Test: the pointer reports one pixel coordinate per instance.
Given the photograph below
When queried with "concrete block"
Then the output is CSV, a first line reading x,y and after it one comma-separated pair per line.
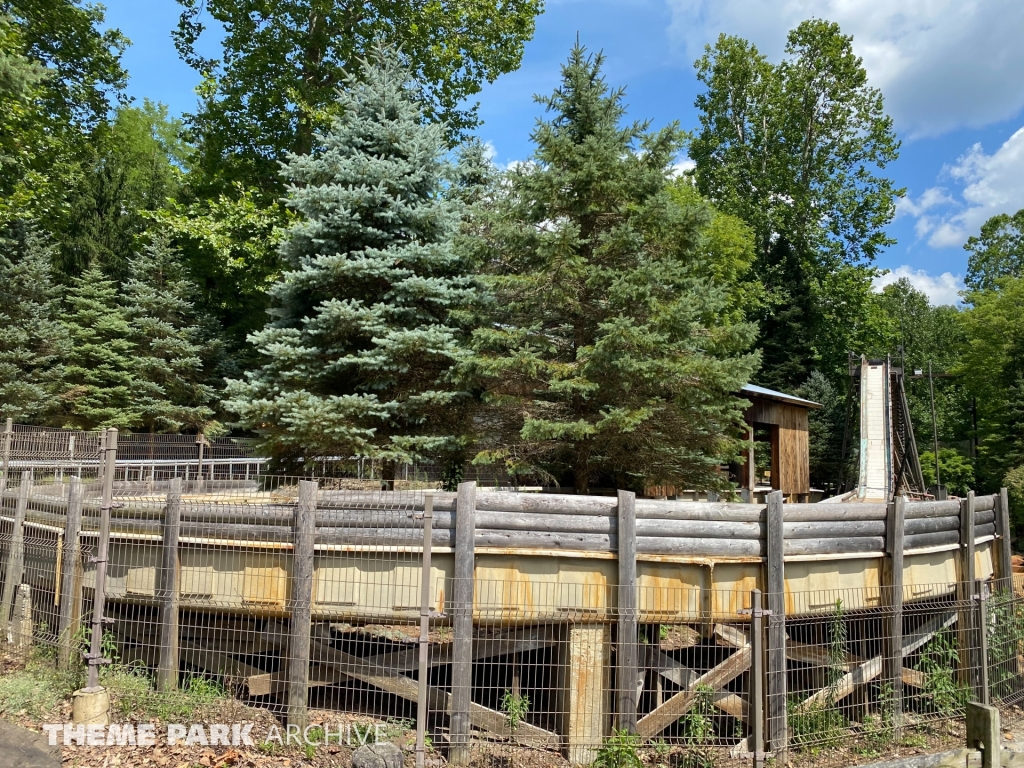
x,y
983,733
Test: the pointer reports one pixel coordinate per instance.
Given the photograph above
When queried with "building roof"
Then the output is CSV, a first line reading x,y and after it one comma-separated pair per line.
x,y
781,397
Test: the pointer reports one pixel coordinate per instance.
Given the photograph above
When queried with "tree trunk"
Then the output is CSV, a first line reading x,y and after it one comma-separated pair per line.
x,y
387,475
581,471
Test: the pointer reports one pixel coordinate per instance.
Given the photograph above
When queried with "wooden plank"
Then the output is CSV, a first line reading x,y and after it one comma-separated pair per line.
x,y
684,677
892,602
300,603
168,593
775,597
462,609
653,723
872,668
71,576
16,555
627,667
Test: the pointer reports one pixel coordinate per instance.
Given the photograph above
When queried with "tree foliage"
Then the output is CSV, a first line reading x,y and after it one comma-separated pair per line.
x,y
995,252
273,89
32,340
608,352
794,150
360,356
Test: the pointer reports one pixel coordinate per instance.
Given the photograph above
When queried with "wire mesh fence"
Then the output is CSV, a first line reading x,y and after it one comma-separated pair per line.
x,y
467,625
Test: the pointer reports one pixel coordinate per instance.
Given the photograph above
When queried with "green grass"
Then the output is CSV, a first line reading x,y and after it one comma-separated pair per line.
x,y
36,691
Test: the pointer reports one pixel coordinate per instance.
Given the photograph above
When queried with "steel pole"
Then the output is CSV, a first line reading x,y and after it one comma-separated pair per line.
x,y
95,655
424,641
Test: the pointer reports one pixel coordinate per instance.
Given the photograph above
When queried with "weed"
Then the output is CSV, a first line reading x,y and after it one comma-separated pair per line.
x,y
1005,635
315,734
395,727
938,661
35,691
821,723
698,730
620,750
515,707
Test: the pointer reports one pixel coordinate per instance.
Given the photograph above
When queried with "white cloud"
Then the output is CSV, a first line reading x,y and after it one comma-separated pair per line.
x,y
991,184
941,289
682,166
941,64
490,151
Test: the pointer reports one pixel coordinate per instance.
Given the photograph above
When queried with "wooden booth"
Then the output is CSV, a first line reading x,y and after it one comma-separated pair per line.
x,y
778,453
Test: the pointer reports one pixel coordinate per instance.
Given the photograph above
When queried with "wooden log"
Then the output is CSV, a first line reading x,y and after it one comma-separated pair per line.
x,y
300,603
840,512
168,592
918,509
1004,533
700,529
980,531
462,609
16,555
892,601
982,518
923,540
699,547
932,525
863,544
776,601
583,542
627,668
985,503
834,530
70,609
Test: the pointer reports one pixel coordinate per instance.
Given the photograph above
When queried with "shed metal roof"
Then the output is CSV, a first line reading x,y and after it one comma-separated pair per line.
x,y
782,397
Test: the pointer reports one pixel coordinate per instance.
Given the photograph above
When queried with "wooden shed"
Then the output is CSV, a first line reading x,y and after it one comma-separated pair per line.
x,y
778,426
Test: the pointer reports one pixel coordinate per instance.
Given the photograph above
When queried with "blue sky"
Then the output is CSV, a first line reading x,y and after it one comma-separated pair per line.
x,y
950,71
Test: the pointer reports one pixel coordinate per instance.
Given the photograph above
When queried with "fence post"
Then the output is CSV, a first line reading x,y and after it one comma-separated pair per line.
x,y
965,589
422,701
892,597
627,656
5,466
71,575
981,595
1004,536
95,655
462,646
755,703
301,603
201,442
776,582
168,596
16,557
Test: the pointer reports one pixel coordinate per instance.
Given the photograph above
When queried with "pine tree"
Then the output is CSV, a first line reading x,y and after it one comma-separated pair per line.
x,y
99,378
359,358
32,340
609,356
170,392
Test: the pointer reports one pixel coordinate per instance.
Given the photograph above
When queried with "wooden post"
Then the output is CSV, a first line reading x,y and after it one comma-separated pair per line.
x,y
422,700
965,587
6,458
776,598
583,669
300,603
71,576
981,595
1004,536
16,555
201,442
627,652
892,597
168,595
462,646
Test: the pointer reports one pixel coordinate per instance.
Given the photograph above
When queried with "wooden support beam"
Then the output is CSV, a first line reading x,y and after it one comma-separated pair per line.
x,y
300,603
1004,535
655,722
168,593
627,666
684,677
892,601
70,608
518,640
15,556
584,702
775,597
965,588
462,646
872,668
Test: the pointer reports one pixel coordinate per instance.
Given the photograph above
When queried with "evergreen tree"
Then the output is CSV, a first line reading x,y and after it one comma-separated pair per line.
x,y
32,340
170,392
609,355
359,358
99,378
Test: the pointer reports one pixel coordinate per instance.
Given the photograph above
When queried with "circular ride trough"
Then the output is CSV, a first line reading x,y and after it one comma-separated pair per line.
x,y
531,594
